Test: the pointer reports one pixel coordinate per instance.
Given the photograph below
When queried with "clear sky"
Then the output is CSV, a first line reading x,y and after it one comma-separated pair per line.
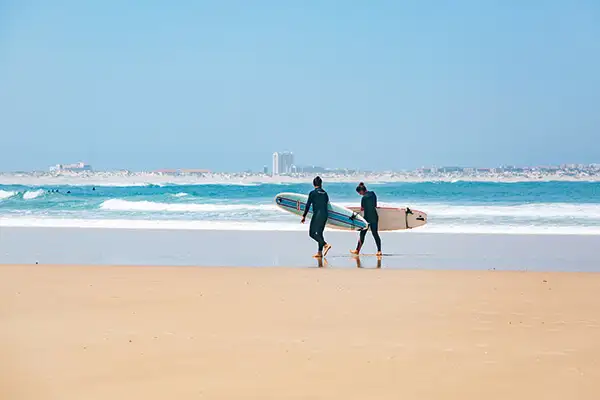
x,y
371,84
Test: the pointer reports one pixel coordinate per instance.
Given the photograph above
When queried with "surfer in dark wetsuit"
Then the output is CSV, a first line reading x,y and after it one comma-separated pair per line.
x,y
368,205
319,200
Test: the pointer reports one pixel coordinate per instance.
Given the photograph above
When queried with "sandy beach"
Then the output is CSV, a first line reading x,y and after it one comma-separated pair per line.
x,y
96,332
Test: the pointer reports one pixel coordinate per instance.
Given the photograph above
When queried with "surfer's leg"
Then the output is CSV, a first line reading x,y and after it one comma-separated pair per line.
x,y
317,225
374,231
361,240
325,246
312,230
319,233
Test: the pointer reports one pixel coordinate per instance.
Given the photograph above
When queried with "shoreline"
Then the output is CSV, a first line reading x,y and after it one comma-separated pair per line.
x,y
263,226
99,332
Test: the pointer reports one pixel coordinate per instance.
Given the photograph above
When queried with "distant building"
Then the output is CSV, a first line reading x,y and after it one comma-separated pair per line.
x,y
181,171
265,170
283,163
166,171
451,169
312,169
77,167
194,171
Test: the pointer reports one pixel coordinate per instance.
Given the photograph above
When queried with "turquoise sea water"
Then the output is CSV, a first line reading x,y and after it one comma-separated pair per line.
x,y
529,207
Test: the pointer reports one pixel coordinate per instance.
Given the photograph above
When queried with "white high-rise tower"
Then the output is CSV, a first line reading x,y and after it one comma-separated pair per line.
x,y
283,163
275,169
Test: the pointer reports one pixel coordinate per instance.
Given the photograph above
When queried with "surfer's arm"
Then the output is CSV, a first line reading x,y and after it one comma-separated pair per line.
x,y
362,204
308,204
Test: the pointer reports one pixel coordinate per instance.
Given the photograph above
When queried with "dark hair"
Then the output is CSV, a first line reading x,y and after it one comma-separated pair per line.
x,y
317,182
361,188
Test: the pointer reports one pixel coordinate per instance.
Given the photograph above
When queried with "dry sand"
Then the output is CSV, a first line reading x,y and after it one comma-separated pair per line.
x,y
276,333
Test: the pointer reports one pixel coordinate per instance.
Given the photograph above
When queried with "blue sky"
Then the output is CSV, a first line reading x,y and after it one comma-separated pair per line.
x,y
223,84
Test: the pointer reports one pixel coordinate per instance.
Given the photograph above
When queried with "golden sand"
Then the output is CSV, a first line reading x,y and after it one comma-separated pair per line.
x,y
83,333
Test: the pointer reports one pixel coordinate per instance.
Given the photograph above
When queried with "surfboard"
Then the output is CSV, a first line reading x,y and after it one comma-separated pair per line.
x,y
339,217
395,219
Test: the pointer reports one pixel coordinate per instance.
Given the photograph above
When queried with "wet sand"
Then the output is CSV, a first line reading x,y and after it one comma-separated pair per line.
x,y
406,249
94,332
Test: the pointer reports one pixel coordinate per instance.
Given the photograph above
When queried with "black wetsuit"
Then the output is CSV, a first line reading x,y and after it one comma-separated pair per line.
x,y
369,206
318,199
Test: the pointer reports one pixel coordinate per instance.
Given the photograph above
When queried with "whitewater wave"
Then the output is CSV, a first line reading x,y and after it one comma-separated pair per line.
x,y
539,210
217,183
542,211
5,194
101,184
46,222
32,194
180,194
43,222
126,205
526,212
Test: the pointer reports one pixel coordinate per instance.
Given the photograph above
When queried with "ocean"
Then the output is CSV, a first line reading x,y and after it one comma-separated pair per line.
x,y
458,207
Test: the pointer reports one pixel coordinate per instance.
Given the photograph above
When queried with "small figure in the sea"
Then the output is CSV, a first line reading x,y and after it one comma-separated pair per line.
x,y
319,200
68,192
94,188
368,205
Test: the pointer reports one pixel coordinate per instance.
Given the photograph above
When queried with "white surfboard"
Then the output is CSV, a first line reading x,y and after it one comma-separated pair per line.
x,y
395,219
339,217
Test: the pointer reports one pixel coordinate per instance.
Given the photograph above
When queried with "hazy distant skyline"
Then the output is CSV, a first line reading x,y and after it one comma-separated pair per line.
x,y
222,85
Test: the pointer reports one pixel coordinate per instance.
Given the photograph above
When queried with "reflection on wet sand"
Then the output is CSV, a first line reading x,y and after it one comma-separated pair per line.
x,y
359,263
321,262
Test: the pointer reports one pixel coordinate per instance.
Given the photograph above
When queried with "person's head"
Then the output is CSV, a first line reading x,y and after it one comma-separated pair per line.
x,y
361,189
318,182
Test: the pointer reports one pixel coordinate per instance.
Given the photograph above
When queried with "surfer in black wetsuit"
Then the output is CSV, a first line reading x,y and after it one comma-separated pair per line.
x,y
368,205
318,199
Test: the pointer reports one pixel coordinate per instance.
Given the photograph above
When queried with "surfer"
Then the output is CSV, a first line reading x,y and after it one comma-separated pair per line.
x,y
368,205
318,199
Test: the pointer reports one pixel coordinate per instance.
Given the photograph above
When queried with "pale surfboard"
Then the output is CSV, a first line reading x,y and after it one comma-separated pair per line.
x,y
395,219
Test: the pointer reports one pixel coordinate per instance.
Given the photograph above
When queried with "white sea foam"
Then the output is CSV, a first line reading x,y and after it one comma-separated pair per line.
x,y
126,205
44,222
115,184
459,212
5,194
539,210
32,194
180,194
508,229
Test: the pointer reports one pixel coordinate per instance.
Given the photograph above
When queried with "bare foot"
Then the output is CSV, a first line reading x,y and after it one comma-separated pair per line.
x,y
326,249
379,254
355,252
318,255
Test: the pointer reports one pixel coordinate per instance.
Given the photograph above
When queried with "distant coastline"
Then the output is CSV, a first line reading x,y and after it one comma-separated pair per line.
x,y
152,178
